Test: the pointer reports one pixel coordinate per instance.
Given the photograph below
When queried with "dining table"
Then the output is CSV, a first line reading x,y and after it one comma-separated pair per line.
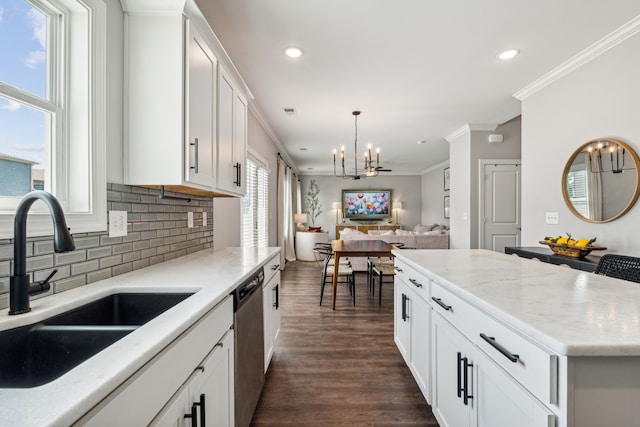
x,y
356,248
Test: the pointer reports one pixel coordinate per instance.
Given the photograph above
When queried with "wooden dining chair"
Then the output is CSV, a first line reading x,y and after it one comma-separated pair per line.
x,y
344,271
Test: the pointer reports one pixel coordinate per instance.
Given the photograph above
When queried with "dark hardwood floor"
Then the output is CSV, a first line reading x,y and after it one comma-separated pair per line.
x,y
337,367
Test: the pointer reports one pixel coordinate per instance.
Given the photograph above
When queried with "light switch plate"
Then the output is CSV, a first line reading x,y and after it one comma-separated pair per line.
x,y
117,223
204,219
189,219
552,217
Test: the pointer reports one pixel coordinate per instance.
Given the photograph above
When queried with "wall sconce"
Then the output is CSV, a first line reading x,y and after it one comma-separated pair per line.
x,y
396,206
337,206
301,219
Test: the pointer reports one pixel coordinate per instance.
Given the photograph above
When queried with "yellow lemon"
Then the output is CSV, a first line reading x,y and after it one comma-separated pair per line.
x,y
582,242
571,242
562,241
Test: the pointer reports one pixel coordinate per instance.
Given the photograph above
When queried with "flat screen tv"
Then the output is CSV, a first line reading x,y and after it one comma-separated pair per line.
x,y
366,205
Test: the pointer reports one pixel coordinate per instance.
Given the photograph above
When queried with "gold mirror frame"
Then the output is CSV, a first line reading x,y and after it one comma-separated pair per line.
x,y
585,149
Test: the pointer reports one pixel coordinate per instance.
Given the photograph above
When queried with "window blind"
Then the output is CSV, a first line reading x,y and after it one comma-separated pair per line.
x,y
255,207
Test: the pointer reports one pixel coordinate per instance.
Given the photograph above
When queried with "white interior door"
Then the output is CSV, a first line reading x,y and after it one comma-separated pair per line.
x,y
500,204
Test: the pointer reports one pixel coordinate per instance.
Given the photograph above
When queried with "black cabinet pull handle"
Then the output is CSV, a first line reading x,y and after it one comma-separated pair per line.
x,y
441,304
276,290
195,155
397,268
405,316
193,415
459,374
274,267
415,283
466,396
506,353
203,418
238,168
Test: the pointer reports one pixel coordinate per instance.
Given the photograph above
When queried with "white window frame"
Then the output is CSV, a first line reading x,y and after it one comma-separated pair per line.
x,y
76,175
262,169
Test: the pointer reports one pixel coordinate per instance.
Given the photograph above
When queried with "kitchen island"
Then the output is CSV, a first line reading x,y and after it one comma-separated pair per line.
x,y
210,275
555,346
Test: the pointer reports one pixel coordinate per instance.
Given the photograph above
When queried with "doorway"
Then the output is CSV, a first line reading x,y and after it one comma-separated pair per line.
x,y
499,204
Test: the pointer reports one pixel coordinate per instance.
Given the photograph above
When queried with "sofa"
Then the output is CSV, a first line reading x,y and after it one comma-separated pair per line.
x,y
423,237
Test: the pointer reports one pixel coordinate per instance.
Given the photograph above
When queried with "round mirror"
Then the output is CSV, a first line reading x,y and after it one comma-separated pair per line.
x,y
600,181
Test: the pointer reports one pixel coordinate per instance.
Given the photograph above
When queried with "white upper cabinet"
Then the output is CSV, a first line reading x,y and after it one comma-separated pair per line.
x,y
202,69
185,115
232,135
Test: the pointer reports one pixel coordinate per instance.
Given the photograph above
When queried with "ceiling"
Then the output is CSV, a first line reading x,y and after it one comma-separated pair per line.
x,y
417,69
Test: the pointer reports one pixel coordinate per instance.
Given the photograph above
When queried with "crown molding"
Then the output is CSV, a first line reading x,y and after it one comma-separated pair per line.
x,y
468,128
257,113
598,48
439,166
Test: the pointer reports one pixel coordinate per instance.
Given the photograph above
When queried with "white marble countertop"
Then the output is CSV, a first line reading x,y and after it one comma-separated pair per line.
x,y
211,274
572,312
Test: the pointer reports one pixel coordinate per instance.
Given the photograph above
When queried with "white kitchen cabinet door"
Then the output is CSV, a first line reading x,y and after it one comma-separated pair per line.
x,y
232,136
200,139
216,384
401,321
240,142
449,368
420,347
271,310
501,402
173,414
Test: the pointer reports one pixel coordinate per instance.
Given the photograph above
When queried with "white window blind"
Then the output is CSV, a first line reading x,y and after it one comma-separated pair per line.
x,y
577,191
255,206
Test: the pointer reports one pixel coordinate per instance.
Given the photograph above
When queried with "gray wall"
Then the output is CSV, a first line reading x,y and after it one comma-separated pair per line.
x,y
157,232
599,99
405,188
433,195
465,153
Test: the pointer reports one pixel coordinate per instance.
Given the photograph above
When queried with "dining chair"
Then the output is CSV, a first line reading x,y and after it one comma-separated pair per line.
x,y
379,272
619,266
344,271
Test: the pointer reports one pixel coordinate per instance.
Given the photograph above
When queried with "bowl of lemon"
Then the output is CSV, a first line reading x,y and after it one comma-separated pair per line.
x,y
568,246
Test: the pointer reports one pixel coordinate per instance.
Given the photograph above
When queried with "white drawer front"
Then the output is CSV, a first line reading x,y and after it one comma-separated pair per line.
x,y
271,267
534,367
530,365
419,282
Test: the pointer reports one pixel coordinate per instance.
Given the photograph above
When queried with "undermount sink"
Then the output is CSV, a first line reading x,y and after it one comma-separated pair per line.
x,y
36,354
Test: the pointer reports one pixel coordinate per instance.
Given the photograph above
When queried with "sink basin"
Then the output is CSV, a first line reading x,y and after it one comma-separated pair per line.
x,y
36,354
119,309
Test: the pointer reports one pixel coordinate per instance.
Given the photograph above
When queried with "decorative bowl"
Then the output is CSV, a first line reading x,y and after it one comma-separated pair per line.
x,y
572,251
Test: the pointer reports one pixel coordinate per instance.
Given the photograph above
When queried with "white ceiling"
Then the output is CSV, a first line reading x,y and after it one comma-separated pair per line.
x,y
417,69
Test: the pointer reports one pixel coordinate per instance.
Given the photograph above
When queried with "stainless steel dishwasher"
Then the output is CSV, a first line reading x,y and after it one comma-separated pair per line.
x,y
249,351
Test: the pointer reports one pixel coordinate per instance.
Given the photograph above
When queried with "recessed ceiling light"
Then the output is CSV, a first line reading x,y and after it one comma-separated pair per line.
x,y
289,111
508,54
293,52
310,169
304,149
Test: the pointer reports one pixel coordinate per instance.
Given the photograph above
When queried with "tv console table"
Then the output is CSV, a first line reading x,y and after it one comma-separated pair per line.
x,y
366,227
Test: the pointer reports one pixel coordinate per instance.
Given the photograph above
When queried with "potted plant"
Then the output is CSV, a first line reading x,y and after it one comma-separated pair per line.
x,y
312,204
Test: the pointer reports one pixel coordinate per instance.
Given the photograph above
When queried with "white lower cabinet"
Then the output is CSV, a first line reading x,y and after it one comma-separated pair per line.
x,y
411,326
206,399
471,390
271,310
199,362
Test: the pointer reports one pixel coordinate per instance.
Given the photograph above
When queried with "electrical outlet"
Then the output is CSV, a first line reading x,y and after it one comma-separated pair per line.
x,y
204,219
552,217
117,223
189,219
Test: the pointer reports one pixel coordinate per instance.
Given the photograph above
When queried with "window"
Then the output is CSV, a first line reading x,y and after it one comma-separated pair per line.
x,y
577,191
52,86
255,206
